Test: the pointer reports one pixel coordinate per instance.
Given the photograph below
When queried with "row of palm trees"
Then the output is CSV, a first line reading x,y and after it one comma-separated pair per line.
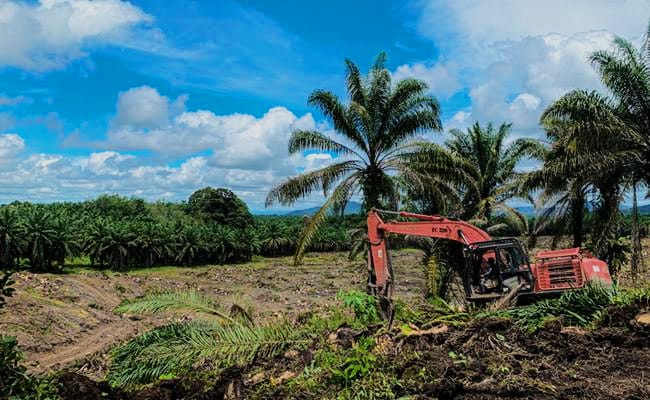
x,y
599,152
42,237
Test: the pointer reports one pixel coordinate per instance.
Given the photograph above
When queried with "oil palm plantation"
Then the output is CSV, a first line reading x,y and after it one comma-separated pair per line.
x,y
608,135
376,128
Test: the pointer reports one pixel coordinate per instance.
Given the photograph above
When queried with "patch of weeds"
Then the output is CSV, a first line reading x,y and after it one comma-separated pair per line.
x,y
406,313
357,363
581,307
16,383
363,305
375,386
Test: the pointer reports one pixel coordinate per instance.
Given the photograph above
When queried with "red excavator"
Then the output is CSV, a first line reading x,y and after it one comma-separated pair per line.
x,y
492,270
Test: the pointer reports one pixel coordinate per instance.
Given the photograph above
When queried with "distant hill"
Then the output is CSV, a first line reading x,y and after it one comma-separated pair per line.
x,y
353,207
644,209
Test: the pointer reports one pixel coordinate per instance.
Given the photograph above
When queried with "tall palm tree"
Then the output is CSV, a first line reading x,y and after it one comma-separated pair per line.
x,y
484,169
563,198
377,127
609,135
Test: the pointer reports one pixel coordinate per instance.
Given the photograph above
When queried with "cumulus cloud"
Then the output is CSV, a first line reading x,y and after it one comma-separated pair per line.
x,y
142,107
442,79
480,22
42,176
144,122
530,74
518,56
49,34
244,152
10,147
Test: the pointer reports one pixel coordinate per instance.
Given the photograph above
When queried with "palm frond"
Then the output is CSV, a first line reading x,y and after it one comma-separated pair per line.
x,y
311,140
173,301
178,348
340,194
304,184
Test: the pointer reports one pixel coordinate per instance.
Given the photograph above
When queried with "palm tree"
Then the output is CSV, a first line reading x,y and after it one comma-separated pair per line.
x,y
484,172
609,135
276,239
40,235
563,198
66,242
189,245
11,237
94,241
377,126
117,243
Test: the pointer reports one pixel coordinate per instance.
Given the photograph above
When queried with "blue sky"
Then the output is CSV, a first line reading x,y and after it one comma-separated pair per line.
x,y
156,99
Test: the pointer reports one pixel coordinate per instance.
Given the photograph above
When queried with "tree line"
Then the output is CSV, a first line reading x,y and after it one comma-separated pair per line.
x,y
213,226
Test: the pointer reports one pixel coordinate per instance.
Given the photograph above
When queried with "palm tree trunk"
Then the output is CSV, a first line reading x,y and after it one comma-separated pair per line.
x,y
636,237
577,217
5,260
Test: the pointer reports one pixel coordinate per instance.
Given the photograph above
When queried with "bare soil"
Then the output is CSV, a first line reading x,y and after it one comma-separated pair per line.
x,y
60,319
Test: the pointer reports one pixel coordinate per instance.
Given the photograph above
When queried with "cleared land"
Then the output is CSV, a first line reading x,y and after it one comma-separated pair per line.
x,y
63,318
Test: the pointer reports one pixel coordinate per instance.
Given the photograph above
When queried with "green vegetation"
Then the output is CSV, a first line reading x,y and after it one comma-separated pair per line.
x,y
486,173
577,307
602,145
344,354
219,341
114,232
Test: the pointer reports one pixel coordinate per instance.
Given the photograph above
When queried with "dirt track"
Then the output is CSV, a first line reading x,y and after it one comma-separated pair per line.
x,y
61,319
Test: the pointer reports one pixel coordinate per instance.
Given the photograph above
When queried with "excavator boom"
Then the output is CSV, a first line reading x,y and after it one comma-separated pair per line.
x,y
433,226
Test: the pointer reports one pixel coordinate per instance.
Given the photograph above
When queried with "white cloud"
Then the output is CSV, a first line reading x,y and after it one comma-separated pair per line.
x,y
51,33
520,55
106,163
442,79
481,22
243,152
142,107
530,74
10,147
143,122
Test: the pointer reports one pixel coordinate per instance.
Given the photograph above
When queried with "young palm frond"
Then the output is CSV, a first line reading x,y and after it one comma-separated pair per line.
x,y
177,348
232,339
189,300
339,196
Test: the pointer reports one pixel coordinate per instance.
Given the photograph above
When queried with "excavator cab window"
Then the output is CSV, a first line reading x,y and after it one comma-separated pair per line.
x,y
497,268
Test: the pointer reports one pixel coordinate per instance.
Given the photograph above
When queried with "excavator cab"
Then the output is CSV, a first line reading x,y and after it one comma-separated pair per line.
x,y
496,268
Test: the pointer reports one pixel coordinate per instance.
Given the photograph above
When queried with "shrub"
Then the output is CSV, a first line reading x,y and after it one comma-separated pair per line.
x,y
363,305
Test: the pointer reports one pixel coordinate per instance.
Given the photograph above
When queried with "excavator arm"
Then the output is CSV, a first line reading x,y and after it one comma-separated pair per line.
x,y
426,225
